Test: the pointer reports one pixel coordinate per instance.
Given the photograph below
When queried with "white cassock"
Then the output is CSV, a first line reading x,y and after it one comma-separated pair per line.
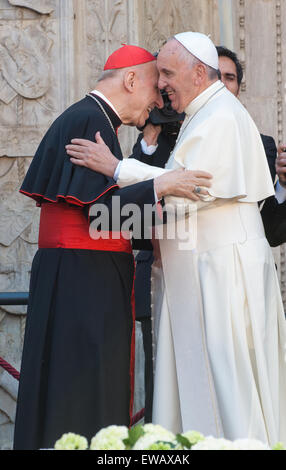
x,y
221,337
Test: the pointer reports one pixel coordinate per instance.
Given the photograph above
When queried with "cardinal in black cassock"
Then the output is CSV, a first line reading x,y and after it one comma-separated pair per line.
x,y
77,372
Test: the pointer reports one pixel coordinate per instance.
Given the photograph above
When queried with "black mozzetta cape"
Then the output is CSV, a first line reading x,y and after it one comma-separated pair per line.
x,y
51,176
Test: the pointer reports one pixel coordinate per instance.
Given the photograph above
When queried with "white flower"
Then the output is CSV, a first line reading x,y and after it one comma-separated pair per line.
x,y
71,441
110,438
193,437
153,433
156,429
250,444
211,443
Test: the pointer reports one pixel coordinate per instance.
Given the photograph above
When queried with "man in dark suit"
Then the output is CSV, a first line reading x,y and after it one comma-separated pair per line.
x,y
273,210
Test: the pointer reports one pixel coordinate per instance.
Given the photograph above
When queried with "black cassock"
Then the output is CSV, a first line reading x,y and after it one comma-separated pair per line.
x,y
77,367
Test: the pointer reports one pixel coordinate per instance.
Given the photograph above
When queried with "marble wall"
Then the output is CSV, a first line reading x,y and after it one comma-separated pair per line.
x,y
51,53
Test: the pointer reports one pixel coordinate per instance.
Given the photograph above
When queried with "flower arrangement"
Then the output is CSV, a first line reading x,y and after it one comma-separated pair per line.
x,y
154,437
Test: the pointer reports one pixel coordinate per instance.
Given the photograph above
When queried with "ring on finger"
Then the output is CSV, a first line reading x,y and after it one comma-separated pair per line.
x,y
197,189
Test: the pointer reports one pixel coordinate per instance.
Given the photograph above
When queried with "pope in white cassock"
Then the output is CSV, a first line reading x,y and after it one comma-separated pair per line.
x,y
221,334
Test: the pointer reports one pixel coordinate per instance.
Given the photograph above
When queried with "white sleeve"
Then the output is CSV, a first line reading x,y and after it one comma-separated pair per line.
x,y
133,171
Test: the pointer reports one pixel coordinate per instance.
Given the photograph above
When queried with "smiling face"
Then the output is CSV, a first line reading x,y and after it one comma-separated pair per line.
x,y
145,94
177,75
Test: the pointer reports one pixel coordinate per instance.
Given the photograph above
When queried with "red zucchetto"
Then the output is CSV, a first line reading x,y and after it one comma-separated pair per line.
x,y
127,56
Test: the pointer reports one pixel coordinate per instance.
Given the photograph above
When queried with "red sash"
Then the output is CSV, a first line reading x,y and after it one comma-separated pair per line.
x,y
65,226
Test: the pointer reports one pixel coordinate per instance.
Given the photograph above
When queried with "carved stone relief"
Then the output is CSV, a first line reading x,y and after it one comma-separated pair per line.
x,y
26,40
23,67
164,19
41,6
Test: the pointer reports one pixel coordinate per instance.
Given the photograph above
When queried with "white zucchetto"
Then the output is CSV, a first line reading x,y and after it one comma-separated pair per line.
x,y
200,46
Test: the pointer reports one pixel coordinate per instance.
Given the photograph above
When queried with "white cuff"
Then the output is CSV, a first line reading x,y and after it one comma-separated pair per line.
x,y
148,149
280,193
117,170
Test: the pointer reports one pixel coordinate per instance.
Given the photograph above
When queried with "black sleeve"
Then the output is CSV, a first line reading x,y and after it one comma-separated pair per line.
x,y
137,152
131,208
271,153
274,221
52,176
161,155
142,244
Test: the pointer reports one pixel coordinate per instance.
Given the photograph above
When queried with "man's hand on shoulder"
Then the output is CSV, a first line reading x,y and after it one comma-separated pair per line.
x,y
281,164
94,155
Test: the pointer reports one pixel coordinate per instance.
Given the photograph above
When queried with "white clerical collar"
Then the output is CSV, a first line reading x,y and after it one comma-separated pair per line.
x,y
203,97
101,95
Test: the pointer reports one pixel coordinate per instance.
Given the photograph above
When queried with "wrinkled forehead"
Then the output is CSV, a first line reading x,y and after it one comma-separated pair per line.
x,y
169,54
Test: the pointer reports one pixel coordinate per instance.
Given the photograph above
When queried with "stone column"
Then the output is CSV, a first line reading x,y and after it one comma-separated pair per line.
x,y
226,23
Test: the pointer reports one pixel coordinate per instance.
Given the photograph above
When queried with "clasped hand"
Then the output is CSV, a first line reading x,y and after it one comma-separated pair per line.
x,y
281,164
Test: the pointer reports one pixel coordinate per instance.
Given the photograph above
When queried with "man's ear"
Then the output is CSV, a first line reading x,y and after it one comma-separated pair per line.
x,y
129,81
201,73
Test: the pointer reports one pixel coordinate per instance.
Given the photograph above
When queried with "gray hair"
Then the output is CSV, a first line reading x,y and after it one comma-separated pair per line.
x,y
106,74
192,60
119,73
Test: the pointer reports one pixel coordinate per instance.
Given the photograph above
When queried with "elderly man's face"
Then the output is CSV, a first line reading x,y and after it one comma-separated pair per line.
x,y
146,94
175,76
228,74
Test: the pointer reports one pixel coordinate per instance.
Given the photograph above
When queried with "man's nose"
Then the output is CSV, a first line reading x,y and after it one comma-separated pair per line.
x,y
161,83
159,101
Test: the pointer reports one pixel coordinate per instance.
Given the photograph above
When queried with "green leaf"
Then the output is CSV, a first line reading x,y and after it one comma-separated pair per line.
x,y
183,441
133,435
